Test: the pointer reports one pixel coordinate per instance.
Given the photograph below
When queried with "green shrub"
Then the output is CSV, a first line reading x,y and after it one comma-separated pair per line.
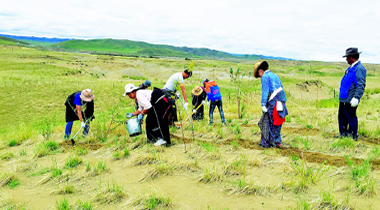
x,y
73,162
13,184
84,205
63,204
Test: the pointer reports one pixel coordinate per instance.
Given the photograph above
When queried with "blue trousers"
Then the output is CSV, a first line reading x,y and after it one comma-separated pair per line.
x,y
348,121
219,104
69,126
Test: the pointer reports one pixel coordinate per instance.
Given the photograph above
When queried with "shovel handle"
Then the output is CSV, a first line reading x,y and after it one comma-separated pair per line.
x,y
192,113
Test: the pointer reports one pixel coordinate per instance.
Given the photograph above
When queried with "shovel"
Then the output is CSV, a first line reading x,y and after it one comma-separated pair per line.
x,y
179,125
72,139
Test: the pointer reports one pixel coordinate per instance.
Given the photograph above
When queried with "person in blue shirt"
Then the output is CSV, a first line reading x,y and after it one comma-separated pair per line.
x,y
213,95
272,104
352,88
79,106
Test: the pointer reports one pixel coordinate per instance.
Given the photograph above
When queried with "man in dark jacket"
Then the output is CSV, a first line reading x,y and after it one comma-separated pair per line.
x,y
198,95
79,106
351,90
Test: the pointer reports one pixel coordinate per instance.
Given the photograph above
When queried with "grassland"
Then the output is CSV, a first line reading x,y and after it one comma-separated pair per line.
x,y
216,168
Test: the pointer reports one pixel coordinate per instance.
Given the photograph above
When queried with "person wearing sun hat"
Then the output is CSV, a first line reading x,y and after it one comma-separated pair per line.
x,y
156,106
198,96
272,105
79,106
352,88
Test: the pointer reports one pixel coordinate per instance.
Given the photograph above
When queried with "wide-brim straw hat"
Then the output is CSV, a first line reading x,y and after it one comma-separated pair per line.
x,y
197,90
263,65
87,95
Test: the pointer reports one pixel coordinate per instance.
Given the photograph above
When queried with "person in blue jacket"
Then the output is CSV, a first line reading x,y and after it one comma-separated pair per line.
x,y
273,106
213,95
352,88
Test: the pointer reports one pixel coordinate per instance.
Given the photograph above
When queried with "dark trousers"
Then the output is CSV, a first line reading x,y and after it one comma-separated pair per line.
x,y
199,114
157,126
219,104
157,123
348,122
173,113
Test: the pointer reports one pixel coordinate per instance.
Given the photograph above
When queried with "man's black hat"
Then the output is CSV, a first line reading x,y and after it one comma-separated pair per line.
x,y
351,51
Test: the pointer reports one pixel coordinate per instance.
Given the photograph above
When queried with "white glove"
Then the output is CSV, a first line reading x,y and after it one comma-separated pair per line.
x,y
82,124
203,102
264,108
194,111
208,103
177,94
354,102
185,105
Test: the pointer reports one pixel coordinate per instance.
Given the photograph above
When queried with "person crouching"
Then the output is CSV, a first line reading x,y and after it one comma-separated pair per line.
x,y
272,104
157,107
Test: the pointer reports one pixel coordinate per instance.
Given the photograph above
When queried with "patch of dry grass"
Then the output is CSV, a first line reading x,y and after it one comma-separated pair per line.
x,y
211,175
146,159
152,201
7,178
161,169
113,193
243,187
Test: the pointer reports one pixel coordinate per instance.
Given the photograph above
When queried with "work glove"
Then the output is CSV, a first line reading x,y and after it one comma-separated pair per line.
x,y
140,118
185,105
354,102
82,124
203,102
129,115
264,108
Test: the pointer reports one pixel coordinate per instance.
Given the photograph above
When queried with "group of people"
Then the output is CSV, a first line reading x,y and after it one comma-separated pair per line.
x,y
159,105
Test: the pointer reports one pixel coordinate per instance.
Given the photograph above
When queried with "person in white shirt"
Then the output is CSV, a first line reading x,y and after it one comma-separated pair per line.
x,y
157,108
170,89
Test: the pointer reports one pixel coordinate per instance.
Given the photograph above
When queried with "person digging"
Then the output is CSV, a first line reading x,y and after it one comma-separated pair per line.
x,y
79,106
198,96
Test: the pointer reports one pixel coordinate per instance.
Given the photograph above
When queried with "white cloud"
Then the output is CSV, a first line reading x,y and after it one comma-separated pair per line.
x,y
311,30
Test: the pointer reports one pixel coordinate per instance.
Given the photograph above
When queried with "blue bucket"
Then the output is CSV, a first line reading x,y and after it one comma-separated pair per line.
x,y
133,127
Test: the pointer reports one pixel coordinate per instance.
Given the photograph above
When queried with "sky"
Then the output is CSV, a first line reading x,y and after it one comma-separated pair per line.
x,y
299,29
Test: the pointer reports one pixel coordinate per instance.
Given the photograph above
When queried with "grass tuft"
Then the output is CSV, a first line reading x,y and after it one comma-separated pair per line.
x,y
152,201
112,194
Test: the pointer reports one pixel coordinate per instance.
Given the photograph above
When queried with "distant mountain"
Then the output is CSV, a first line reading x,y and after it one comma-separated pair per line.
x,y
33,38
133,48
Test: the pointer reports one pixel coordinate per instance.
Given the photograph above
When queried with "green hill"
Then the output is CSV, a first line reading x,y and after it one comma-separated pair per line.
x,y
134,48
9,41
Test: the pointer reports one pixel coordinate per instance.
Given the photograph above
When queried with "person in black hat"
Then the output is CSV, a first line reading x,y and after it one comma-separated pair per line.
x,y
352,88
273,105
170,89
